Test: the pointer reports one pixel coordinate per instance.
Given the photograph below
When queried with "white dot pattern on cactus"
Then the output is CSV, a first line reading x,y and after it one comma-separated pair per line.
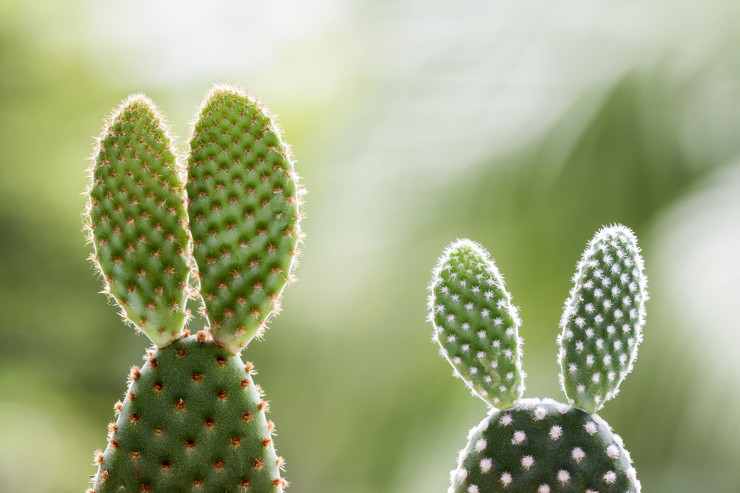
x,y
603,318
540,445
529,459
476,324
578,454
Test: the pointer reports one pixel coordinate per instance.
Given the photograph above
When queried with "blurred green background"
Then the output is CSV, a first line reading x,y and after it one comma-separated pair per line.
x,y
523,124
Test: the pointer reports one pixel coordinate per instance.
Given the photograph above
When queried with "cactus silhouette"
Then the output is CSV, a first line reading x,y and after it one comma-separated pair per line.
x,y
540,445
192,418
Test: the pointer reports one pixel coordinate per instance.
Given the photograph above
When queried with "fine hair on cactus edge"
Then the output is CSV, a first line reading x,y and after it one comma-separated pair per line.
x,y
540,445
227,216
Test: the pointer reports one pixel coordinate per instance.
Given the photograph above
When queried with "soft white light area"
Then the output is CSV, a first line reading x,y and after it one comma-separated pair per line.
x,y
171,42
457,84
473,79
696,258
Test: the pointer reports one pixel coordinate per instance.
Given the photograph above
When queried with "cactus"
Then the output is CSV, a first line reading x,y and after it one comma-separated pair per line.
x,y
540,445
192,418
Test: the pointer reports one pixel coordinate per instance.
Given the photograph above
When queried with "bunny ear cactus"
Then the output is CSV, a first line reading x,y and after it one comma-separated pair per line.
x,y
540,445
476,325
244,214
603,319
137,222
192,418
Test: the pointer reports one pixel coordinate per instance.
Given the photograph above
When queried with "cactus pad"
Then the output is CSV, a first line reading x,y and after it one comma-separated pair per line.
x,y
603,318
192,418
475,323
244,197
541,446
137,222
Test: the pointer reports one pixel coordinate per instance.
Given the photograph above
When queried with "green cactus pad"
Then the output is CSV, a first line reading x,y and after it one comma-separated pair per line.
x,y
603,318
476,325
244,198
137,220
541,446
192,420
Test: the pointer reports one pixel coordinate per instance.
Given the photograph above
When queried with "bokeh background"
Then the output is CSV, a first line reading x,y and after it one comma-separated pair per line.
x,y
523,124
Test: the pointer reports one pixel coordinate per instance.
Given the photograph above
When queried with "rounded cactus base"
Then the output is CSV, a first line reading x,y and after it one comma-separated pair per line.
x,y
192,420
542,446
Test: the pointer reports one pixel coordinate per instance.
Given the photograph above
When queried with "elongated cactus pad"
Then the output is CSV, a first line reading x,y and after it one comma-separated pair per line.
x,y
244,198
192,420
137,222
475,323
603,318
541,446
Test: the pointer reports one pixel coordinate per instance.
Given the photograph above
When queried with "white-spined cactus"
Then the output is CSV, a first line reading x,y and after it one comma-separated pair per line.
x,y
540,445
476,324
603,318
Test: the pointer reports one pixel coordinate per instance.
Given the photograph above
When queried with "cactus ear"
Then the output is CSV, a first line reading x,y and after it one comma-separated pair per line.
x,y
475,323
136,220
603,318
244,197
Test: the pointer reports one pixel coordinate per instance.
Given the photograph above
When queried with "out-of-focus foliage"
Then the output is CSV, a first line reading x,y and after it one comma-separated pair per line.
x,y
524,125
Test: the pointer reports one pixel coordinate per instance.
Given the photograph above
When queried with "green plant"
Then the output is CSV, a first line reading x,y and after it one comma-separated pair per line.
x,y
223,227
540,445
